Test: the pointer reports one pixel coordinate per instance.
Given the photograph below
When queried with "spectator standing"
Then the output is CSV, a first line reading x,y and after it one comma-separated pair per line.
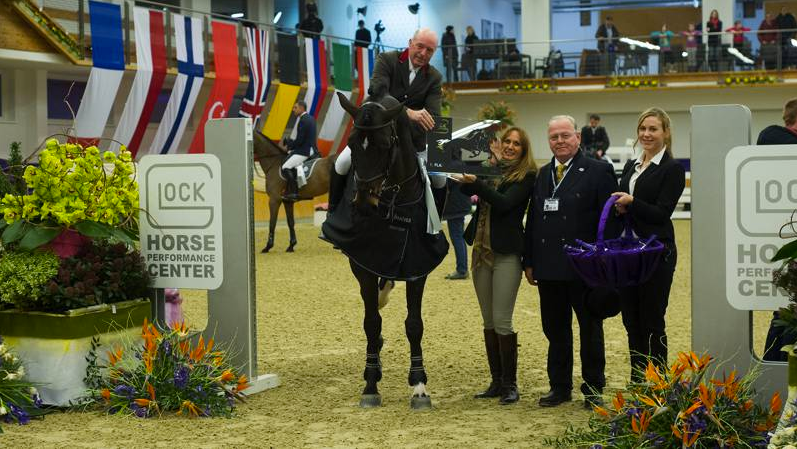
x,y
650,187
362,37
594,139
786,21
469,58
496,233
450,54
566,205
457,207
608,36
713,30
664,38
691,35
311,26
740,42
768,37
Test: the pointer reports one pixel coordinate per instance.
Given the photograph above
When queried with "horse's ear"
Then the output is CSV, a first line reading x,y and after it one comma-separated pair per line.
x,y
393,112
347,105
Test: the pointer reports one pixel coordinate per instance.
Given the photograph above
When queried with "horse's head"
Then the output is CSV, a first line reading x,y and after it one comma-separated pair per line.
x,y
372,142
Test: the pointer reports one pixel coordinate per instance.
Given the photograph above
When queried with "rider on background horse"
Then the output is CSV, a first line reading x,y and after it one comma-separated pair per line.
x,y
408,77
299,149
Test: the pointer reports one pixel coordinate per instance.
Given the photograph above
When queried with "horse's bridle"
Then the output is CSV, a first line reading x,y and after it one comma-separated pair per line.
x,y
394,188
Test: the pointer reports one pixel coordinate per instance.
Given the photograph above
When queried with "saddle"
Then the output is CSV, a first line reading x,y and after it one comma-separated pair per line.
x,y
306,170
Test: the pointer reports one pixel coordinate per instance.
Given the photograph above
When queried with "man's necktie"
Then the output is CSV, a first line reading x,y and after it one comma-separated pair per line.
x,y
560,172
412,75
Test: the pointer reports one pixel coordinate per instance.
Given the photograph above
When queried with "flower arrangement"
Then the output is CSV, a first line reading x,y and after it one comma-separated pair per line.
x,y
448,96
634,83
497,110
527,86
749,80
166,373
24,276
785,438
681,407
70,190
19,399
785,277
11,179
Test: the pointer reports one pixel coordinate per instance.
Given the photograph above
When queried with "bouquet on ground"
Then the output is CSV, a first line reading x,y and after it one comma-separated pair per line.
x,y
18,398
167,373
72,190
680,407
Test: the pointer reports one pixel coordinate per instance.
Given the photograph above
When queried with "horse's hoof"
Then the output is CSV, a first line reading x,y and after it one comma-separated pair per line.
x,y
265,249
289,250
421,402
371,401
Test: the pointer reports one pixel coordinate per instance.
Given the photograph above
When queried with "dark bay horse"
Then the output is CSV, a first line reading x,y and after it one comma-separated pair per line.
x,y
271,157
383,231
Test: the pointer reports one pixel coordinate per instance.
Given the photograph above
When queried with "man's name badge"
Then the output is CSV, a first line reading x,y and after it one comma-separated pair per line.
x,y
551,205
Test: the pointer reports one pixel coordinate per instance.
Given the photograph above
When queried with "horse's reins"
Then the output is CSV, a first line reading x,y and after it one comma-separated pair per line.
x,y
395,188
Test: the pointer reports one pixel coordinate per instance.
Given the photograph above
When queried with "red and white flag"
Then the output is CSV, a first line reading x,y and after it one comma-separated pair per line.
x,y
190,75
147,85
225,58
108,66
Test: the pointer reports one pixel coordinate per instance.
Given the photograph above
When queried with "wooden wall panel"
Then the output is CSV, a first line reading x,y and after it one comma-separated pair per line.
x,y
17,34
642,22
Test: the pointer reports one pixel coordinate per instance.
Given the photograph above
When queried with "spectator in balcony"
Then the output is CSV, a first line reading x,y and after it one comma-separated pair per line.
x,y
608,37
740,41
311,26
691,35
786,21
450,54
594,139
768,36
468,58
362,37
663,39
713,30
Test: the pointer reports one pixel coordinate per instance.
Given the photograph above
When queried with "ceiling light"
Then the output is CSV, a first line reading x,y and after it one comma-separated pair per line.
x,y
237,15
684,54
277,17
414,8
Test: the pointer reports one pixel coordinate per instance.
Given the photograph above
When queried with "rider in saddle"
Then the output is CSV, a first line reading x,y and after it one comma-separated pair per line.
x,y
299,149
408,77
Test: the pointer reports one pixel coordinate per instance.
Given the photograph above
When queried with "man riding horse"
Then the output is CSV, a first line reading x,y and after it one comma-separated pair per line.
x,y
299,150
408,77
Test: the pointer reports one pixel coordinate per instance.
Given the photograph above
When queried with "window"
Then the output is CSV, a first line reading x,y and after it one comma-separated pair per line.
x,y
586,15
63,95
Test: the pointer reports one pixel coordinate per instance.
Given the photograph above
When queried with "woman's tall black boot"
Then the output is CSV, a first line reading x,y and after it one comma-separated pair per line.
x,y
494,360
509,391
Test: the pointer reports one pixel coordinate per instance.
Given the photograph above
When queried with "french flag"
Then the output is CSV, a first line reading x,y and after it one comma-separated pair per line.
x,y
106,73
190,75
257,46
151,65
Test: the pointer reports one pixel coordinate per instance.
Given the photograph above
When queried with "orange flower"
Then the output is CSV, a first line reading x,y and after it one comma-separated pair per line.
x,y
199,351
115,356
707,397
730,386
644,421
106,394
151,391
775,403
601,411
746,406
226,376
190,406
142,402
147,358
694,407
185,347
242,383
181,328
618,401
676,432
689,441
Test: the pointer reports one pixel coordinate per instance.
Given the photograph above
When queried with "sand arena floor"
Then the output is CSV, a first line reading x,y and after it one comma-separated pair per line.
x,y
309,329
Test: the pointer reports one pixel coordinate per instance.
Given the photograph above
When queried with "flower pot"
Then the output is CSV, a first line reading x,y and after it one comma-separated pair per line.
x,y
68,243
789,408
54,347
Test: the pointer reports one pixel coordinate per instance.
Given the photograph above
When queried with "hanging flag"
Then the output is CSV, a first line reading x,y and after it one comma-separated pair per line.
x,y
335,115
147,85
257,45
317,83
108,66
365,68
288,89
225,58
190,75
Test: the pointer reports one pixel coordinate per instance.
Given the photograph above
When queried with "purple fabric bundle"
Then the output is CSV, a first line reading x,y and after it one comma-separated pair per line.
x,y
614,263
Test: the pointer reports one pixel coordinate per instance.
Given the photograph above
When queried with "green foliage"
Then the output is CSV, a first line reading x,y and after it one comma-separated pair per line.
x,y
680,407
497,110
785,278
104,273
24,277
11,180
166,373
70,188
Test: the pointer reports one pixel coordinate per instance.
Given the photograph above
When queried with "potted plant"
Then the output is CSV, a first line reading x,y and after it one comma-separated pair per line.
x,y
447,99
498,110
785,278
68,269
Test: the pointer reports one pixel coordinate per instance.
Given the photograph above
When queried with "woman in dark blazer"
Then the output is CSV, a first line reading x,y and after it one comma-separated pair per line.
x,y
496,233
650,188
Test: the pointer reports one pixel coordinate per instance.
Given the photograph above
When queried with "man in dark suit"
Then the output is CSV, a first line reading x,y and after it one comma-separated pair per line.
x,y
450,54
594,139
782,135
566,204
299,149
362,37
608,37
407,76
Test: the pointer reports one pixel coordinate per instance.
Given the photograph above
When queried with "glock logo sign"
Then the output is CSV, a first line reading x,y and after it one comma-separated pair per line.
x,y
760,195
180,221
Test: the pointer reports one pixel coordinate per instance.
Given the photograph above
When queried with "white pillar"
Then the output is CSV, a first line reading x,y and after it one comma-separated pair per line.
x,y
199,6
260,10
535,23
30,98
726,13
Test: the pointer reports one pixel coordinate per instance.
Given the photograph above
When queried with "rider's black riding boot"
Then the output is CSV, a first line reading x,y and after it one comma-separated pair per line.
x,y
291,186
494,360
337,188
509,391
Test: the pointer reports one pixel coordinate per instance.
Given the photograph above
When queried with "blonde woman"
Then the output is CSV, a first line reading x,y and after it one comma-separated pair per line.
x,y
496,234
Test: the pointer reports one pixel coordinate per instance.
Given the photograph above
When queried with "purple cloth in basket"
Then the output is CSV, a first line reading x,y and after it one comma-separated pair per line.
x,y
614,263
